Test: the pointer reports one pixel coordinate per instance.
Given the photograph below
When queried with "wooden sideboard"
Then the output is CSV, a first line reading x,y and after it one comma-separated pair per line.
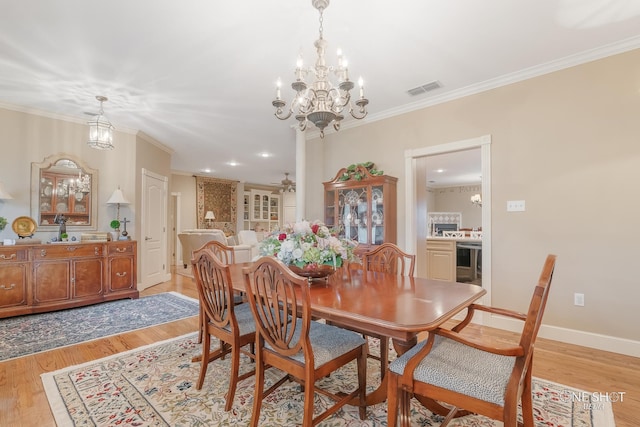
x,y
47,277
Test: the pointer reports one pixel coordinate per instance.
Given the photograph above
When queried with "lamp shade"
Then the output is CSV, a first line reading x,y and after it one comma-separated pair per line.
x,y
210,215
117,198
3,193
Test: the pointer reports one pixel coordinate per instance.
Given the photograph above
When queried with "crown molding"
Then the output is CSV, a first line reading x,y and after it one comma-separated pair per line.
x,y
57,116
507,79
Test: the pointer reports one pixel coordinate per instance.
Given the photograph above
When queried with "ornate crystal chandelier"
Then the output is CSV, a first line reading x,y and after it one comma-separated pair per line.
x,y
321,102
100,129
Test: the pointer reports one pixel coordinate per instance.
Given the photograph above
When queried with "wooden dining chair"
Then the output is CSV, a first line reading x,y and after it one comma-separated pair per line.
x,y
225,255
387,258
232,324
289,340
469,373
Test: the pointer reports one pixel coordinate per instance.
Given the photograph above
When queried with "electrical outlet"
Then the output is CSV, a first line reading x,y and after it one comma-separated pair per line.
x,y
515,206
578,299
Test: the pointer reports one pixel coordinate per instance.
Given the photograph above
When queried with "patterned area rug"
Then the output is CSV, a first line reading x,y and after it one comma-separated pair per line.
x,y
155,386
23,335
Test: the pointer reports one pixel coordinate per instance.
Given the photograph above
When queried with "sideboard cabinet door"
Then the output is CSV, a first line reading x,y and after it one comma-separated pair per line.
x,y
122,269
14,278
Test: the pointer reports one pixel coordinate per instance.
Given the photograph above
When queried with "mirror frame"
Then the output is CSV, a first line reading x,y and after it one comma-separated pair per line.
x,y
48,162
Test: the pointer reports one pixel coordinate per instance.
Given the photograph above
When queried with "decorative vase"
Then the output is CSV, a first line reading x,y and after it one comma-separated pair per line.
x,y
313,271
114,235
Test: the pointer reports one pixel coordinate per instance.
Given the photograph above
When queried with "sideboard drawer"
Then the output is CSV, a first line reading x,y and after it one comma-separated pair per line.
x,y
121,248
13,254
67,251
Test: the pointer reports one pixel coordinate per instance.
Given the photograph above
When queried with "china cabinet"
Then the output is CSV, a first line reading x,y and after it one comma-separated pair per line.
x,y
264,208
362,209
46,277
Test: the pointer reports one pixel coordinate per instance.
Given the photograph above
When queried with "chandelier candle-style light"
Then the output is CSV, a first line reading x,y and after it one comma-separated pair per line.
x,y
321,102
80,187
100,129
476,199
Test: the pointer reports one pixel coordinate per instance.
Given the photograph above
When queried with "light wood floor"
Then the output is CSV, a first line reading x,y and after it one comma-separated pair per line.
x,y
23,401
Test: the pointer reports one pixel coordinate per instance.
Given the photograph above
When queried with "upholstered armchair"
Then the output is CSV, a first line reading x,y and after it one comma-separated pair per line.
x,y
196,238
250,238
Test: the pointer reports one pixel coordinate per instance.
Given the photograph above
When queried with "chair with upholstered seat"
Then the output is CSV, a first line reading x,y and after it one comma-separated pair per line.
x,y
232,324
471,373
289,340
387,258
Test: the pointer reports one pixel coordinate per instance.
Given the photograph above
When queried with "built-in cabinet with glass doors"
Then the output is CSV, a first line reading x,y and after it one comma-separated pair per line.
x,y
363,210
261,208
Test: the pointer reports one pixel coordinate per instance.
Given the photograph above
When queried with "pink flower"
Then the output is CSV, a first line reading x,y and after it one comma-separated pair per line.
x,y
282,236
315,228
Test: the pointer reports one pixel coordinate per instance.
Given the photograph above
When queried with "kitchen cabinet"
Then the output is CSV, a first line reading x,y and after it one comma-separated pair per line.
x,y
363,210
441,259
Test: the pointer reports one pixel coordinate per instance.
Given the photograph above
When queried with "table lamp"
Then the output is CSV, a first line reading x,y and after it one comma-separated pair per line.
x,y
209,217
117,198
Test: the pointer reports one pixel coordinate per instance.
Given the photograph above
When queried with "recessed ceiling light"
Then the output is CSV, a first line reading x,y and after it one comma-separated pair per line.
x,y
206,170
439,170
233,163
265,154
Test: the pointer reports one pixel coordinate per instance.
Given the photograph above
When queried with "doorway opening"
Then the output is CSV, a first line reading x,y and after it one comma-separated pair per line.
x,y
417,227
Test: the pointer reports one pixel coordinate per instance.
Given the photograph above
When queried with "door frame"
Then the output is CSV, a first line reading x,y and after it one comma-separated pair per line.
x,y
145,211
414,231
175,224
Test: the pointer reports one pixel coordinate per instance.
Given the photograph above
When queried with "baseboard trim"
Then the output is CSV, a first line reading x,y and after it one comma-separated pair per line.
x,y
141,286
571,336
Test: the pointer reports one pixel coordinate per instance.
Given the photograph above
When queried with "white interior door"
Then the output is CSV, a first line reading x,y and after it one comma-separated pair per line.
x,y
154,223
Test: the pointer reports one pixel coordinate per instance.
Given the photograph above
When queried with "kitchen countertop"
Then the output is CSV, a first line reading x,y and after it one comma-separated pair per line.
x,y
457,239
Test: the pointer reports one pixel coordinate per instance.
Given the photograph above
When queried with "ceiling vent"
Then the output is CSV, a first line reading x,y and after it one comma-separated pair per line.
x,y
424,88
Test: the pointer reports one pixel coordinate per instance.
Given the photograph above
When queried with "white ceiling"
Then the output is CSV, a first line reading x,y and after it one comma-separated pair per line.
x,y
199,75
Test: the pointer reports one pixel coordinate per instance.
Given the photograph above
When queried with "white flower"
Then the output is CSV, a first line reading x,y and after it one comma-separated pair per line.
x,y
302,227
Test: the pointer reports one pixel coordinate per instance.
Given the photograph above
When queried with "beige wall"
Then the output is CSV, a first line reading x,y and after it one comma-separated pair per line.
x,y
568,143
458,199
186,186
27,138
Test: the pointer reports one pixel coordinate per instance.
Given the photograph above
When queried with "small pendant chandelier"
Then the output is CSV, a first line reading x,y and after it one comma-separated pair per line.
x,y
321,103
100,129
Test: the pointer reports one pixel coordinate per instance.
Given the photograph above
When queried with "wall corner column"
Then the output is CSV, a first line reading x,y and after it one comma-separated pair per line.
x,y
300,174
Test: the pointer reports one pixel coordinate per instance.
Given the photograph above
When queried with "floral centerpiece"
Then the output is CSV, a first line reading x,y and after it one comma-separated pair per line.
x,y
310,248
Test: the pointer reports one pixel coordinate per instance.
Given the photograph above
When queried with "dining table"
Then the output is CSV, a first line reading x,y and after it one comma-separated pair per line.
x,y
395,306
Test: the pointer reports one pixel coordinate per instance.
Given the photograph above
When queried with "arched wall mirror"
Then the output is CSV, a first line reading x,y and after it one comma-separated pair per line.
x,y
63,186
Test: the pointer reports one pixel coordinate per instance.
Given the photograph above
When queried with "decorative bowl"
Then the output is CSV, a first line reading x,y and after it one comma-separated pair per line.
x,y
313,271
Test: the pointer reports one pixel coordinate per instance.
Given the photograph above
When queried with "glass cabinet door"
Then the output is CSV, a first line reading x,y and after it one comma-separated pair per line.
x,y
330,209
353,214
265,207
377,215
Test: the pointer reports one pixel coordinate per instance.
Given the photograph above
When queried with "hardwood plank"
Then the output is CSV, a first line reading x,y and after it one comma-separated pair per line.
x,y
23,401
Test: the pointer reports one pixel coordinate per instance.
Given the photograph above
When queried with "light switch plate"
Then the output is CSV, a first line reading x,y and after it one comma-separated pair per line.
x,y
515,206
